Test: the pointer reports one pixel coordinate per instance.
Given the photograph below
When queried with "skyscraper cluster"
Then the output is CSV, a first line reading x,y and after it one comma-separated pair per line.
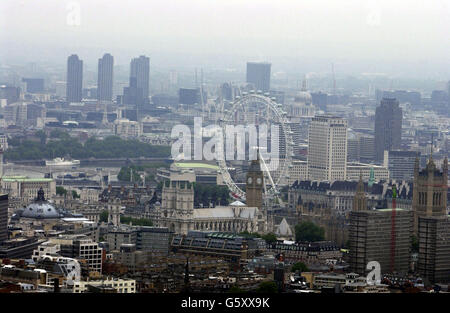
x,y
136,94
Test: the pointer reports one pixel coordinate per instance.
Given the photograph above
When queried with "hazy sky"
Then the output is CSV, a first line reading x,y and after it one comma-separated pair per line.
x,y
409,31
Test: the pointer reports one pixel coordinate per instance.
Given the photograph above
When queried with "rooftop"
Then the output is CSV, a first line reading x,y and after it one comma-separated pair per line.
x,y
25,179
196,165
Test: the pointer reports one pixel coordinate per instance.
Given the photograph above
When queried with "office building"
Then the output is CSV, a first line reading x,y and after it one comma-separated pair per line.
x,y
368,171
74,79
132,94
189,96
231,247
361,149
105,77
34,85
258,74
366,149
155,239
11,94
83,249
388,127
327,148
434,249
371,236
26,188
353,149
140,70
401,164
144,238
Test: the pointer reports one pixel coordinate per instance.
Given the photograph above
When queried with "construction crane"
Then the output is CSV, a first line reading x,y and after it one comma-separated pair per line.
x,y
394,204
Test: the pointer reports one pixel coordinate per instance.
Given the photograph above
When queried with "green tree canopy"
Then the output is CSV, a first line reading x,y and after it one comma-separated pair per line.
x,y
104,216
270,237
136,221
204,194
246,234
267,287
62,145
308,231
75,195
61,191
236,289
299,266
414,243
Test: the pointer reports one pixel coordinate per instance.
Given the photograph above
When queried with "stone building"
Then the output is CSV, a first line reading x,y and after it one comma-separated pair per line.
x,y
432,221
430,191
177,213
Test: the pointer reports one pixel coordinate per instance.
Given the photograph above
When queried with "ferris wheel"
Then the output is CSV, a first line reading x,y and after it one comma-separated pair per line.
x,y
258,108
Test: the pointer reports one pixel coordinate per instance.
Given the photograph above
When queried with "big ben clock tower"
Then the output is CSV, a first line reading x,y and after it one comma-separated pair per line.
x,y
254,184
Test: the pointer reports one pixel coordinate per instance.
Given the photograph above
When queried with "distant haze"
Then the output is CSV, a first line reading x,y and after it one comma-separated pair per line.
x,y
369,36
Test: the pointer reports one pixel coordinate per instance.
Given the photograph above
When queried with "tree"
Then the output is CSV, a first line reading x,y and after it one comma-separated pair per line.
x,y
204,194
136,221
61,191
104,216
61,145
414,243
267,287
236,289
270,237
75,195
308,231
246,234
299,266
125,173
42,136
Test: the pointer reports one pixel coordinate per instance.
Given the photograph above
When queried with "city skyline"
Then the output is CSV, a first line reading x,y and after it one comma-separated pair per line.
x,y
189,147
297,33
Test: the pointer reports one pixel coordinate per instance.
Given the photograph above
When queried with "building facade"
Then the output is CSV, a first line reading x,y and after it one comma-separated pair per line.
x,y
401,164
74,79
178,214
26,189
327,148
388,127
373,236
105,77
432,223
140,70
258,74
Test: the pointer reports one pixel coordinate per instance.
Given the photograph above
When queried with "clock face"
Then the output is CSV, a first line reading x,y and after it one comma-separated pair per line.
x,y
259,181
249,180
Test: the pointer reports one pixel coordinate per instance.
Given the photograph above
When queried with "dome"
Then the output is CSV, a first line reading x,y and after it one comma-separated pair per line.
x,y
40,208
303,97
149,119
40,211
